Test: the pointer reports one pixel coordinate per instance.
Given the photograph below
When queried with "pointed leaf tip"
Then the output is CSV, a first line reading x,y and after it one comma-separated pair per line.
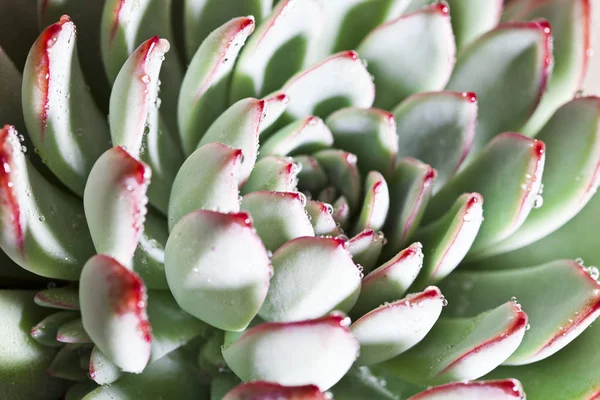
x,y
490,390
266,390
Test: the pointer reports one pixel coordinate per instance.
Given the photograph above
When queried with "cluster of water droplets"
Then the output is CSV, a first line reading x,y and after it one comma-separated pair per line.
x,y
591,270
519,307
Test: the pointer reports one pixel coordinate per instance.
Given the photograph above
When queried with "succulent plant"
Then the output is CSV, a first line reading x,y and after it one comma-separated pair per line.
x,y
253,199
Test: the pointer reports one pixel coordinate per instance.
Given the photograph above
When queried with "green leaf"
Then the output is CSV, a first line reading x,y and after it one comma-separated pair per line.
x,y
448,240
312,276
238,127
44,228
318,352
393,328
275,105
45,331
208,179
437,128
62,120
115,203
303,136
410,188
508,69
102,370
217,268
570,173
390,281
201,17
278,49
23,370
490,390
312,176
79,390
341,212
68,362
72,332
376,203
148,259
278,216
463,349
113,310
509,188
320,216
422,61
370,134
342,173
221,384
203,95
64,298
261,389
365,248
560,297
472,18
361,383
277,174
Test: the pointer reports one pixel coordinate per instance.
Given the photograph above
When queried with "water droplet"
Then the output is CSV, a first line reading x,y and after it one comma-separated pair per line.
x,y
514,299
329,208
346,322
145,78
24,149
361,269
538,201
527,327
302,197
444,300
42,218
580,261
594,272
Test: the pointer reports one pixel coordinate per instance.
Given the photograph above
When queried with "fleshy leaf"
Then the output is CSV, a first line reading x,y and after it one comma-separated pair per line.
x,y
317,352
45,331
370,134
260,389
79,390
238,127
208,179
312,276
472,18
560,297
222,384
509,188
278,216
341,212
113,310
463,349
410,188
44,228
101,369
422,61
210,357
275,105
442,141
366,249
303,136
278,49
448,240
390,281
62,120
217,268
276,174
508,69
570,173
115,203
72,332
339,81
343,173
393,328
64,298
201,17
148,259
67,363
362,383
312,176
320,216
376,203
203,95
490,390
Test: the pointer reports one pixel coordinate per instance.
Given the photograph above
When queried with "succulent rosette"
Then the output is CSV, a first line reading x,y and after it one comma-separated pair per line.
x,y
298,199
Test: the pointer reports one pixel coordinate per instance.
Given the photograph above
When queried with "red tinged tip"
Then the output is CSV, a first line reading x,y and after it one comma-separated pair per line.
x,y
406,254
116,19
470,96
430,293
339,242
9,197
474,199
538,149
42,298
587,34
429,176
135,168
441,8
366,234
245,23
260,390
282,98
334,320
92,371
509,387
241,218
350,54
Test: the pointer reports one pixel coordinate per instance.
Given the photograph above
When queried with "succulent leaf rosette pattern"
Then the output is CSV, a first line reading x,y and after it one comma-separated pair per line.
x,y
299,199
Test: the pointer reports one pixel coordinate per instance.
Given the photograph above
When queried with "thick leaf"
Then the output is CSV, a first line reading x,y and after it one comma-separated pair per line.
x,y
460,349
376,203
508,69
343,174
113,310
68,362
210,358
201,17
115,203
313,276
203,95
472,18
570,174
101,369
261,389
45,330
362,383
278,216
393,328
560,297
448,240
64,298
490,390
275,105
217,268
238,127
422,61
320,216
368,133
62,120
341,212
312,176
303,136
317,352
72,332
437,128
79,390
390,281
508,187
43,228
148,259
339,81
410,188
278,49
277,174
571,23
366,249
208,179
